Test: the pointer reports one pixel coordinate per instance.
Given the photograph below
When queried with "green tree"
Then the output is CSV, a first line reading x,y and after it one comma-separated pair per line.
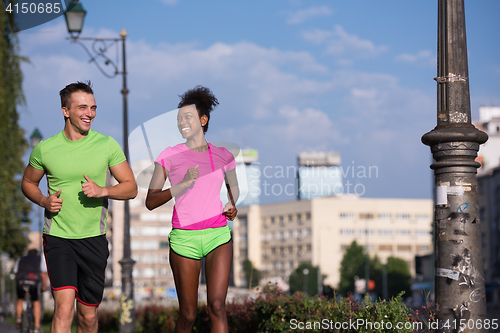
x,y
252,274
398,277
352,264
14,208
296,279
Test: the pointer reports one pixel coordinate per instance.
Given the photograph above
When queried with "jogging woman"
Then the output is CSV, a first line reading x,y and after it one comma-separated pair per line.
x,y
197,170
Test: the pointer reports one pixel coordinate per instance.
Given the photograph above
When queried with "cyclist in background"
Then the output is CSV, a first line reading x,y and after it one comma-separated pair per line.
x,y
30,267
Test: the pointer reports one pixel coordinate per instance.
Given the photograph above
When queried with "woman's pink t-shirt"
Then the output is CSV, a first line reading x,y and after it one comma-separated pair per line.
x,y
199,207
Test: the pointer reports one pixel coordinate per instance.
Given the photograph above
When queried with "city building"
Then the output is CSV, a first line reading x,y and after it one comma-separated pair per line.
x,y
489,152
148,241
488,179
278,237
248,173
319,175
489,216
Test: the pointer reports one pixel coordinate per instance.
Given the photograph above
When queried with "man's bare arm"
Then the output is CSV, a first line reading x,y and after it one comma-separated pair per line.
x,y
124,190
29,186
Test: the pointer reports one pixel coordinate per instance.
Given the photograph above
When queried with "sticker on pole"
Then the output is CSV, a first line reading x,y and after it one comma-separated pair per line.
x,y
26,14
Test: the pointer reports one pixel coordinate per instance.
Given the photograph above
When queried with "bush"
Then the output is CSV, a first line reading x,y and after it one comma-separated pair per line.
x,y
274,311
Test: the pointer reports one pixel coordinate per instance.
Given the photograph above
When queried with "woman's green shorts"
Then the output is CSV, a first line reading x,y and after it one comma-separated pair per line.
x,y
196,244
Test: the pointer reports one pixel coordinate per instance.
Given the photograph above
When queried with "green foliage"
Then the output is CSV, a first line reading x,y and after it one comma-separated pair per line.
x,y
296,279
252,274
398,276
273,311
14,208
353,264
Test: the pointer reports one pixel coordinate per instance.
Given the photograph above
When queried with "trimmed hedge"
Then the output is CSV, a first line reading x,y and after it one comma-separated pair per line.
x,y
274,311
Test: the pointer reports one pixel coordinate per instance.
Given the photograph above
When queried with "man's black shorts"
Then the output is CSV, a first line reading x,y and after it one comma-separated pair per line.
x,y
77,264
34,285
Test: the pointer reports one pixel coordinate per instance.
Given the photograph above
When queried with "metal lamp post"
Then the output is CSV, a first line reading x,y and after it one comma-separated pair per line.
x,y
35,139
305,271
454,142
74,18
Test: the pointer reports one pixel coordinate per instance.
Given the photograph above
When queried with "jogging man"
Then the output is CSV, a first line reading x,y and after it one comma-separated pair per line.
x,y
78,163
31,270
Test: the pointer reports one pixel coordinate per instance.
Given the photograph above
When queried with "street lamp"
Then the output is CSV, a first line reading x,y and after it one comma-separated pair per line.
x,y
305,271
35,139
459,279
74,19
74,16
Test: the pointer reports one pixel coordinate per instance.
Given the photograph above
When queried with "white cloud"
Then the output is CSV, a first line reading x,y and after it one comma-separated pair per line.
x,y
283,102
302,15
310,128
169,2
340,43
423,58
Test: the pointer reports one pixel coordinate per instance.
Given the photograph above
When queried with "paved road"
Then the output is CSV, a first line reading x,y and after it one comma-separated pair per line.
x,y
7,328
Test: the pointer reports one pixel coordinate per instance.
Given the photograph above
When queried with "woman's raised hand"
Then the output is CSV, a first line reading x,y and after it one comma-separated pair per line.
x,y
191,175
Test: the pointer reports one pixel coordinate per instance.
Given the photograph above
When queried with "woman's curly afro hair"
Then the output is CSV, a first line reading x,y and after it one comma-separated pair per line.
x,y
204,100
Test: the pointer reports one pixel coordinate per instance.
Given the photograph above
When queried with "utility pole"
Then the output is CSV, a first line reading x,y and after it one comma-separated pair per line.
x,y
454,142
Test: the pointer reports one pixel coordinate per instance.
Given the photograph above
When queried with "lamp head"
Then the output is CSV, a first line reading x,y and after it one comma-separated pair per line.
x,y
74,16
35,137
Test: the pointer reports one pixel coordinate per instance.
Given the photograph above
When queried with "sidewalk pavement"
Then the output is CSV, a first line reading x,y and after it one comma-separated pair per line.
x,y
5,327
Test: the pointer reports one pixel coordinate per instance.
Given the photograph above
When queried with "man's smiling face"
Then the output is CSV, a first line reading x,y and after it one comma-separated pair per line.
x,y
81,111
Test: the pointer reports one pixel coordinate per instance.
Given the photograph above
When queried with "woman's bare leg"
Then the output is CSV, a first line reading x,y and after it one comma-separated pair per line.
x,y
187,277
217,271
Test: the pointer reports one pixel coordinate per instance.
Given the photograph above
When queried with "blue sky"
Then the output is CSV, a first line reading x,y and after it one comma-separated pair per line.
x,y
350,76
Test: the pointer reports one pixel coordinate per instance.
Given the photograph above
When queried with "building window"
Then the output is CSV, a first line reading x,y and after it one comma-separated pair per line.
x,y
344,247
299,234
290,264
290,233
422,248
385,232
282,220
369,248
403,217
385,247
404,248
150,245
384,216
273,219
308,216
404,232
366,216
299,218
290,218
347,232
347,216
363,232
422,233
290,249
163,244
422,217
308,248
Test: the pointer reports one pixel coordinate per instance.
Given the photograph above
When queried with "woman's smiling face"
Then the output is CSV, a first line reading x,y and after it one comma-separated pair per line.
x,y
189,122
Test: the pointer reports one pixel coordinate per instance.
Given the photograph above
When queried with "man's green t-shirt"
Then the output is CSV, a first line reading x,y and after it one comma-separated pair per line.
x,y
65,162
